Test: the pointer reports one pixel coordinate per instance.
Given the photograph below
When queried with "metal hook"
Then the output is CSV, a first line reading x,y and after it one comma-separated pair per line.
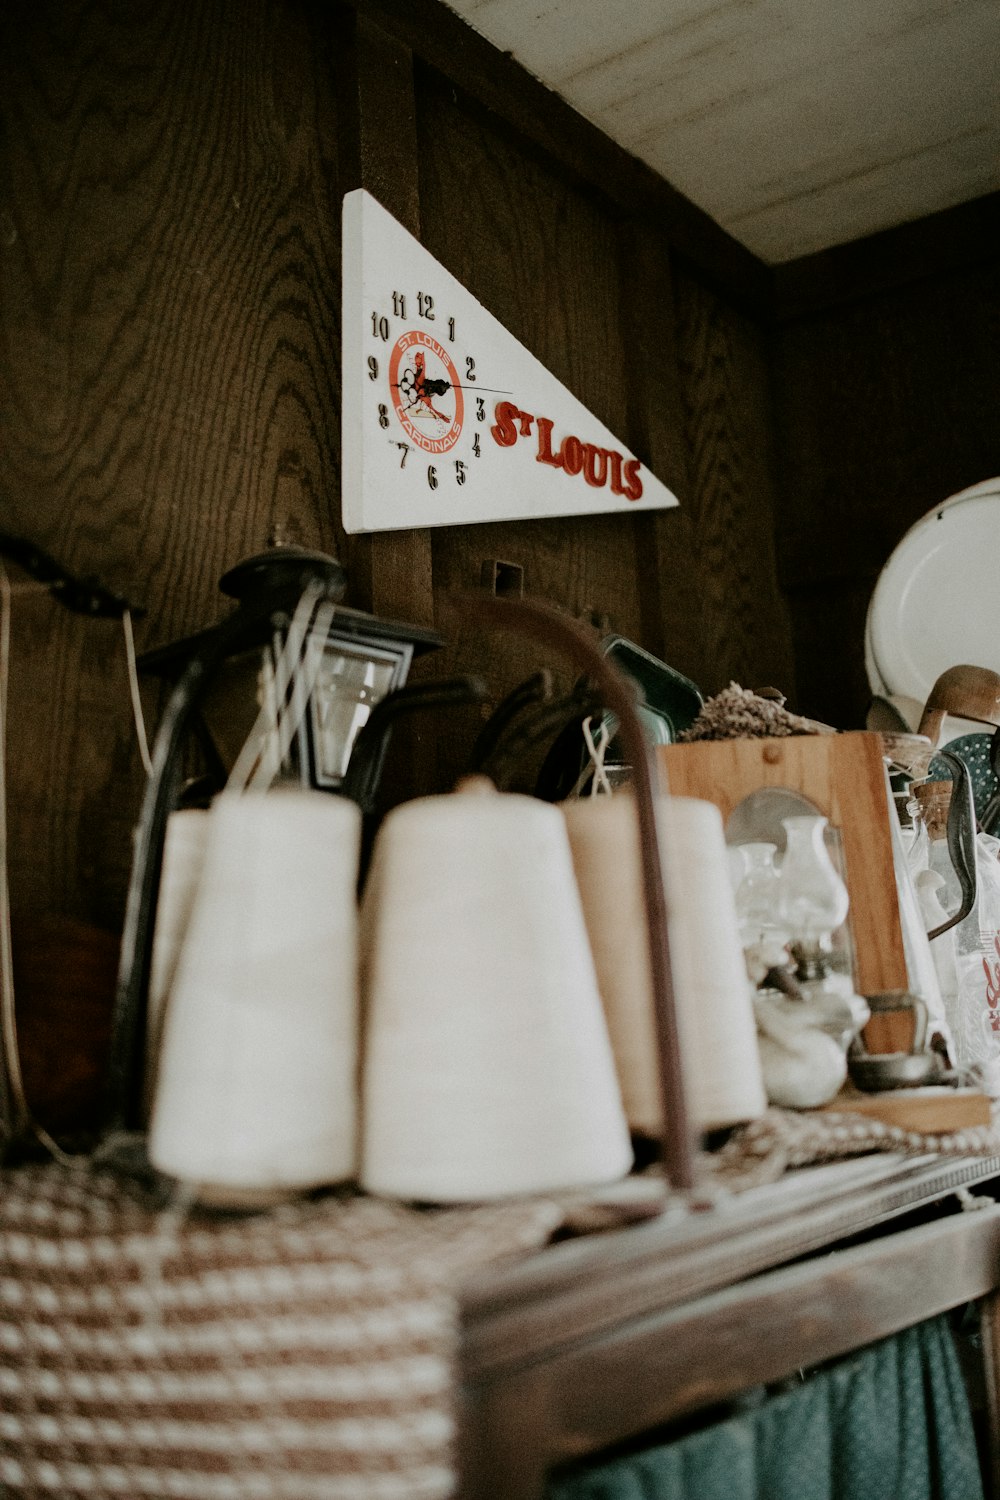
x,y
83,596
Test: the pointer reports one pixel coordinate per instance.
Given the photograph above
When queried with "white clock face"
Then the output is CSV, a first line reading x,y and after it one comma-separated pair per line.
x,y
426,392
429,400
447,418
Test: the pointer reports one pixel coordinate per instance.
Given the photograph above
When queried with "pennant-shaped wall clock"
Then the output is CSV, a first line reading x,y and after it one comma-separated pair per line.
x,y
447,418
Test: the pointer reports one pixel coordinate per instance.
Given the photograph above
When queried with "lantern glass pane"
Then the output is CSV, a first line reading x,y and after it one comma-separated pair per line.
x,y
352,678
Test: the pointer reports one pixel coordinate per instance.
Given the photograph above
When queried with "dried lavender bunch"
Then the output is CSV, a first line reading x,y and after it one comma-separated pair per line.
x,y
737,713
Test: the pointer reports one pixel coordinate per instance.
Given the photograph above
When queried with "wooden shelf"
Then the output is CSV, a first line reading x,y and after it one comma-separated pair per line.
x,y
593,1342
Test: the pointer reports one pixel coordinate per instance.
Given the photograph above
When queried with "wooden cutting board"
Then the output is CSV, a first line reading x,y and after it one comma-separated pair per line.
x,y
844,776
932,1110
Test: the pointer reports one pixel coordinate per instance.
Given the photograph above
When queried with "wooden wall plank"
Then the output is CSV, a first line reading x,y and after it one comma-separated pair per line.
x,y
169,397
170,302
591,294
744,631
655,430
884,407
542,257
390,573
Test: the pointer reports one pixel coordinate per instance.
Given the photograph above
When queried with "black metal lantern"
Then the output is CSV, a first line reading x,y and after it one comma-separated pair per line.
x,y
360,662
356,661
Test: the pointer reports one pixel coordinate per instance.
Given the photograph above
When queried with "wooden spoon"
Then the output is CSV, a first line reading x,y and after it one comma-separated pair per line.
x,y
965,692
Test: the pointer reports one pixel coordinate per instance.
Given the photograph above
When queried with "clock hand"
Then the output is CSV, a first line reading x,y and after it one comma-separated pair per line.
x,y
441,387
490,390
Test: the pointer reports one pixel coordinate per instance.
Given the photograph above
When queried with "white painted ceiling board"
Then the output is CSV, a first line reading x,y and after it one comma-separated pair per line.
x,y
797,124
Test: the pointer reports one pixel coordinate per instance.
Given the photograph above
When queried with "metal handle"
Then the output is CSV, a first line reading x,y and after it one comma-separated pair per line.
x,y
547,625
961,839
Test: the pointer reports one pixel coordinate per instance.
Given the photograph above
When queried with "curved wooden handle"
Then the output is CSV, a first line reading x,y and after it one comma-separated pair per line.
x,y
931,722
965,691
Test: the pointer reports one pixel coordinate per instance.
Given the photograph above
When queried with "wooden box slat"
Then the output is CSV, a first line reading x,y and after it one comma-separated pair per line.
x,y
844,776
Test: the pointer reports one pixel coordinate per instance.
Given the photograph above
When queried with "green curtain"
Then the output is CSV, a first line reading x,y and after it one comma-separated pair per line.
x,y
889,1423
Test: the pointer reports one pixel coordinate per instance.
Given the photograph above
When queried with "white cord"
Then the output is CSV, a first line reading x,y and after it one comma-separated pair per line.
x,y
295,669
133,687
595,764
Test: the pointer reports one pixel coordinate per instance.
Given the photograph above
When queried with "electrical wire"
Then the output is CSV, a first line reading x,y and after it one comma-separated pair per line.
x,y
133,687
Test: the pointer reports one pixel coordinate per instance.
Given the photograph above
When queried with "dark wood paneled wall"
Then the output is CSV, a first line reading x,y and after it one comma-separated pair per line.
x,y
169,342
169,293
885,377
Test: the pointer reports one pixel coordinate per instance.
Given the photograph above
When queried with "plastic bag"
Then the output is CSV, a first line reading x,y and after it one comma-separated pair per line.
x,y
973,1005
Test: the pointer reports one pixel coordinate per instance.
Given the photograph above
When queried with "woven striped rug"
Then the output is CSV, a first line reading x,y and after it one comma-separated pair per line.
x,y
306,1353
302,1354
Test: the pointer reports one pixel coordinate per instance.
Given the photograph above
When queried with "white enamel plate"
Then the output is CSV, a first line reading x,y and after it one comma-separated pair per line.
x,y
937,600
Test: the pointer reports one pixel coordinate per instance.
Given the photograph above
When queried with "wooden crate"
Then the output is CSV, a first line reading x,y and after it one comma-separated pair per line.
x,y
844,776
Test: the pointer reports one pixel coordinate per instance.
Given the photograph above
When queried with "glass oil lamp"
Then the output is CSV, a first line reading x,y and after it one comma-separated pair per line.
x,y
812,904
763,932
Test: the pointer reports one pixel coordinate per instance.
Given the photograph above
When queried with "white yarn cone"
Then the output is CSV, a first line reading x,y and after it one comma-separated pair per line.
x,y
256,1093
488,1070
180,873
715,1017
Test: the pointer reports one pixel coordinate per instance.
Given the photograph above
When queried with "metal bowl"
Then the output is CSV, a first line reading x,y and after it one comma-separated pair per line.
x,y
876,1072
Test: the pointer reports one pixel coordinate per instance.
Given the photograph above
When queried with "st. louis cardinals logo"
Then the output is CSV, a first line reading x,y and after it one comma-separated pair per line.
x,y
426,394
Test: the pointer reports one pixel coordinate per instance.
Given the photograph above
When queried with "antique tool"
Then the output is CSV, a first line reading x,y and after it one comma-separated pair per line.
x,y
960,832
964,692
666,703
548,627
543,724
